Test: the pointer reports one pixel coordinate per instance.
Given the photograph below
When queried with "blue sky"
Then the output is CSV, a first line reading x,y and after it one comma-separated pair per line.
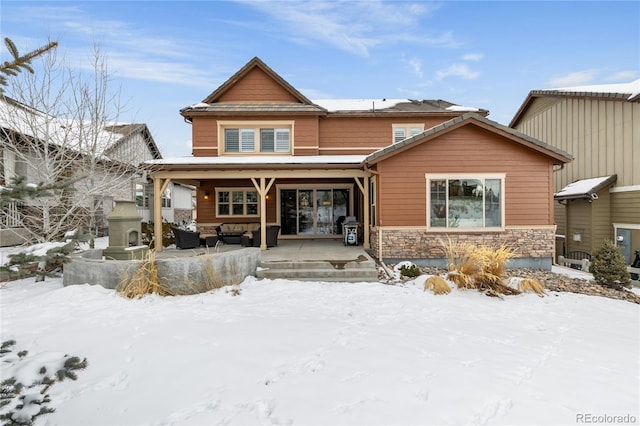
x,y
166,55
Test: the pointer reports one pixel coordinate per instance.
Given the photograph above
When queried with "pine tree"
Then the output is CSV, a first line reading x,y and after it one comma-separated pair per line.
x,y
21,403
608,266
19,62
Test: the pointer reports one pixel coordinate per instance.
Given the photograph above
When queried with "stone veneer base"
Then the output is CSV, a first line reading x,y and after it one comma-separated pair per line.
x,y
534,246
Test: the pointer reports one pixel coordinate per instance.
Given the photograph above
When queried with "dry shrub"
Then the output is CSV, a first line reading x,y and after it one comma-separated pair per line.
x,y
437,285
143,281
529,285
478,267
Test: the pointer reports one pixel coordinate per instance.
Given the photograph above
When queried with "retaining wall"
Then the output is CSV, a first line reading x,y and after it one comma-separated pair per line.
x,y
182,274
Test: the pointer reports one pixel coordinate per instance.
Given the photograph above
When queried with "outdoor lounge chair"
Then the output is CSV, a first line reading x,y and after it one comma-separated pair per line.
x,y
272,236
186,239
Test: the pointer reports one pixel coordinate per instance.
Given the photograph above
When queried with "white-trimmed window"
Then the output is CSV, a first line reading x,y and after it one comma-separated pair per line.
x,y
236,202
256,138
166,198
465,201
143,194
404,131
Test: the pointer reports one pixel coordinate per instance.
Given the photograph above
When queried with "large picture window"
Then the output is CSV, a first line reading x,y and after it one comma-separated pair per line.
x,y
465,201
236,202
257,138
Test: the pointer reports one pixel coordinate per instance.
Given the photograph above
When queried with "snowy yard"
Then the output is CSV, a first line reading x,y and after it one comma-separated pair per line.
x,y
287,352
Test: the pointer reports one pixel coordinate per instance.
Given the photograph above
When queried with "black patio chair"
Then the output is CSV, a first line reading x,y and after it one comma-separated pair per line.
x,y
186,239
272,236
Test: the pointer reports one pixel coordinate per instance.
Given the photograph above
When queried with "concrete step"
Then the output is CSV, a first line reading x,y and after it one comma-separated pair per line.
x,y
363,268
363,263
320,274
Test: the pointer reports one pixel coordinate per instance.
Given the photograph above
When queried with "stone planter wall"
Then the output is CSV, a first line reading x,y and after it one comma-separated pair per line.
x,y
180,273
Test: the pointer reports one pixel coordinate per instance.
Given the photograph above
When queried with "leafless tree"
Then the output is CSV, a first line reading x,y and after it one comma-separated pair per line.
x,y
58,125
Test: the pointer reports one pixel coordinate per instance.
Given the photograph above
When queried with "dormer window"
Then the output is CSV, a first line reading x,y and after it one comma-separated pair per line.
x,y
256,138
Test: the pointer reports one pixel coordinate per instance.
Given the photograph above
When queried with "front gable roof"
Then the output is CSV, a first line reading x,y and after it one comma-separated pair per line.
x,y
559,156
128,131
242,72
629,92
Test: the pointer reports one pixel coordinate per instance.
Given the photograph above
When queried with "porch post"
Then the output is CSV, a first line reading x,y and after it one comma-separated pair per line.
x,y
364,188
159,186
367,210
263,189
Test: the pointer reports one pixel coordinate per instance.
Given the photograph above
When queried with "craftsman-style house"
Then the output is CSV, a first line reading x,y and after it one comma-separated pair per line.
x,y
412,173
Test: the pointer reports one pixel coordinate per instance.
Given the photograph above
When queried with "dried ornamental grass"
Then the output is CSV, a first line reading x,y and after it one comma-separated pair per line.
x,y
495,262
529,285
464,263
143,281
437,285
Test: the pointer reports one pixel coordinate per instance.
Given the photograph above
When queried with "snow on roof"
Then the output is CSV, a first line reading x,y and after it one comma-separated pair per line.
x,y
460,108
261,160
632,88
63,132
333,105
582,187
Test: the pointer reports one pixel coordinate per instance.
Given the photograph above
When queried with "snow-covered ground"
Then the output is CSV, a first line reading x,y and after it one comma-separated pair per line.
x,y
289,352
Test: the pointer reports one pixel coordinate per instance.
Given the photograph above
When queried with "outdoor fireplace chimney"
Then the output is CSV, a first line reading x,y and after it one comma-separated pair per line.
x,y
125,229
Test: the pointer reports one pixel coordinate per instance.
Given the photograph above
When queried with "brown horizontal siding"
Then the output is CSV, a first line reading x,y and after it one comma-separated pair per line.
x,y
364,132
207,208
257,86
205,132
466,150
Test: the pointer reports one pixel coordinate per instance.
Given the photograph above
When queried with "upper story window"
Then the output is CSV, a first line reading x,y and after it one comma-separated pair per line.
x,y
474,201
256,138
404,131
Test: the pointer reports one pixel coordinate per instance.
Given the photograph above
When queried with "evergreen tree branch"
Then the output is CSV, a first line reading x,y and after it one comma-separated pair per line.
x,y
19,63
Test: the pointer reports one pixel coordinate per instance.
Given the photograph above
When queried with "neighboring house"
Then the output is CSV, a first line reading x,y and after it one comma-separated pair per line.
x,y
598,194
37,146
413,173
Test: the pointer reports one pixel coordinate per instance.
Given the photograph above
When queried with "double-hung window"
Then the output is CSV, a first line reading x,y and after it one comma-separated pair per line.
x,y
404,131
257,138
469,201
236,202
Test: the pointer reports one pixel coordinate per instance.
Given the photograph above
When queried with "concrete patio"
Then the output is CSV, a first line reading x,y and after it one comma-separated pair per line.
x,y
321,259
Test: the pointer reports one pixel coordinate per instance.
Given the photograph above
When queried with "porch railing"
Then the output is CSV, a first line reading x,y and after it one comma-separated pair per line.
x,y
10,215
